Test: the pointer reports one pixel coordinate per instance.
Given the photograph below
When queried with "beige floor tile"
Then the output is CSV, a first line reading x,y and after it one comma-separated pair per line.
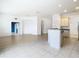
x,y
30,46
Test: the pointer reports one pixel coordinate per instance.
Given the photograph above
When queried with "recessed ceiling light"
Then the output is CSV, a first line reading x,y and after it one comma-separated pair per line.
x,y
74,0
77,8
59,5
65,10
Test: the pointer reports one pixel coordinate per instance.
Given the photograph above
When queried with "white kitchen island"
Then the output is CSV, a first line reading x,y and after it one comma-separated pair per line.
x,y
55,38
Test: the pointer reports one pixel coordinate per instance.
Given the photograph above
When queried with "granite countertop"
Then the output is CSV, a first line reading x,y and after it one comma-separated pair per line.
x,y
57,29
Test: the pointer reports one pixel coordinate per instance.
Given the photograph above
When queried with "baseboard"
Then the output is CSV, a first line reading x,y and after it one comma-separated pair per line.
x,y
73,36
5,36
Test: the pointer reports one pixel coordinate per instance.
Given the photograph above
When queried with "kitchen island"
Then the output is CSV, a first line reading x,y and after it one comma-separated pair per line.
x,y
55,37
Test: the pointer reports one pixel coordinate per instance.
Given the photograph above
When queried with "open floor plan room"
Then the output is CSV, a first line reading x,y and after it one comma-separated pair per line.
x,y
39,28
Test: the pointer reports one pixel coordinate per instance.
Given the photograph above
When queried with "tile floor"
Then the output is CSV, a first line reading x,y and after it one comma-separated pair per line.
x,y
29,46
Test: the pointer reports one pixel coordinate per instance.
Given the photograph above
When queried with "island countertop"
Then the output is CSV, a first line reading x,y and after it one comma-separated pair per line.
x,y
57,29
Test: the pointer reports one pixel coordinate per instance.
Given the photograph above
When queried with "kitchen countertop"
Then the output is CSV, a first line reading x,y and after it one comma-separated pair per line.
x,y
57,29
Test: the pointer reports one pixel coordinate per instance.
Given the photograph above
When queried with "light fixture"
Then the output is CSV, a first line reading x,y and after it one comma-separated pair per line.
x,y
74,0
59,5
15,18
77,8
65,10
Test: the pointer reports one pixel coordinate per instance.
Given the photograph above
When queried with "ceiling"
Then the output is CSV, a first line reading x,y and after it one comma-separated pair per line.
x,y
37,7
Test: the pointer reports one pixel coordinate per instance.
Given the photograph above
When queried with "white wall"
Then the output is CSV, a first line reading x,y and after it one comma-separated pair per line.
x,y
39,25
28,25
4,25
56,21
73,20
47,23
74,26
31,25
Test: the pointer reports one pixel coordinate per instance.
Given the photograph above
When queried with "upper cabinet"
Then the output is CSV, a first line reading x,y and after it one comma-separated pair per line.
x,y
64,21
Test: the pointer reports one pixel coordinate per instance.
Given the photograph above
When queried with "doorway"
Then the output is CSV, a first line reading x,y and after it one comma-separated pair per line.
x,y
14,27
42,27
